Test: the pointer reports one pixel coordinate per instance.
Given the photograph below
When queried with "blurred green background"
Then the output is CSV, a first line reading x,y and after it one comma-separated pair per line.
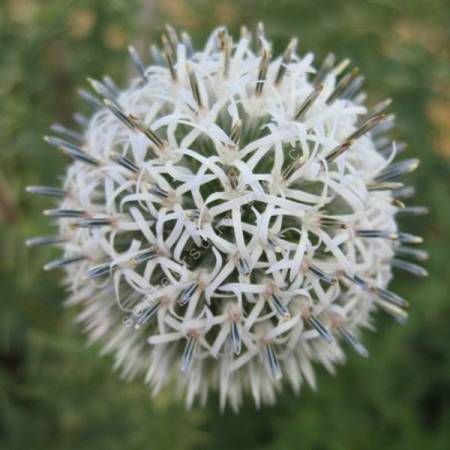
x,y
56,394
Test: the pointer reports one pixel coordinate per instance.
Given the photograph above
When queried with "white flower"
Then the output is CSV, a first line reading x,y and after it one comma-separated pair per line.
x,y
229,217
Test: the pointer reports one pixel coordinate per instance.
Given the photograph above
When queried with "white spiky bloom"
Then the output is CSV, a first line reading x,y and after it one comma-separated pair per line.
x,y
231,215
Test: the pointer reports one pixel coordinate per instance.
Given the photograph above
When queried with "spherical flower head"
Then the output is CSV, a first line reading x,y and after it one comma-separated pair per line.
x,y
229,217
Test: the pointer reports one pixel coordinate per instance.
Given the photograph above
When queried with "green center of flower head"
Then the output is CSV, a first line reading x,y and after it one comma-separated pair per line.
x,y
231,213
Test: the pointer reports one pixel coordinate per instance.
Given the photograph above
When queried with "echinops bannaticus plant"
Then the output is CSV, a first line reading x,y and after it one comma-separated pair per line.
x,y
229,218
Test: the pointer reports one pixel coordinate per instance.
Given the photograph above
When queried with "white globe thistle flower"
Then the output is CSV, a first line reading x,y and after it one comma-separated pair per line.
x,y
229,218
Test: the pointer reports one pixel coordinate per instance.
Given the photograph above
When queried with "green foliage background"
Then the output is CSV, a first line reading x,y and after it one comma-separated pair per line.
x,y
56,394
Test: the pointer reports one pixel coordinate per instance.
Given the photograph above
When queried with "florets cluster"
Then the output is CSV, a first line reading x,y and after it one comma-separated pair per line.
x,y
229,217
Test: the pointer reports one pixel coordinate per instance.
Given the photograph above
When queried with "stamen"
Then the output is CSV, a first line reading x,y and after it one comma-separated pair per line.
x,y
260,35
59,263
99,271
236,338
386,150
325,69
186,359
46,190
159,192
280,307
172,37
79,156
404,192
407,238
286,60
354,342
45,240
386,186
225,46
94,102
419,255
187,294
235,134
274,364
309,101
103,90
221,36
390,297
111,85
135,122
61,129
144,255
320,328
384,295
358,281
291,168
244,33
156,56
93,223
338,151
145,315
187,41
385,234
333,223
398,169
273,245
398,204
193,214
233,178
413,211
377,109
58,142
263,68
118,113
339,69
194,85
71,150
137,62
384,145
168,53
327,278
81,120
383,127
353,88
125,162
366,126
342,85
64,213
415,269
244,268
399,314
